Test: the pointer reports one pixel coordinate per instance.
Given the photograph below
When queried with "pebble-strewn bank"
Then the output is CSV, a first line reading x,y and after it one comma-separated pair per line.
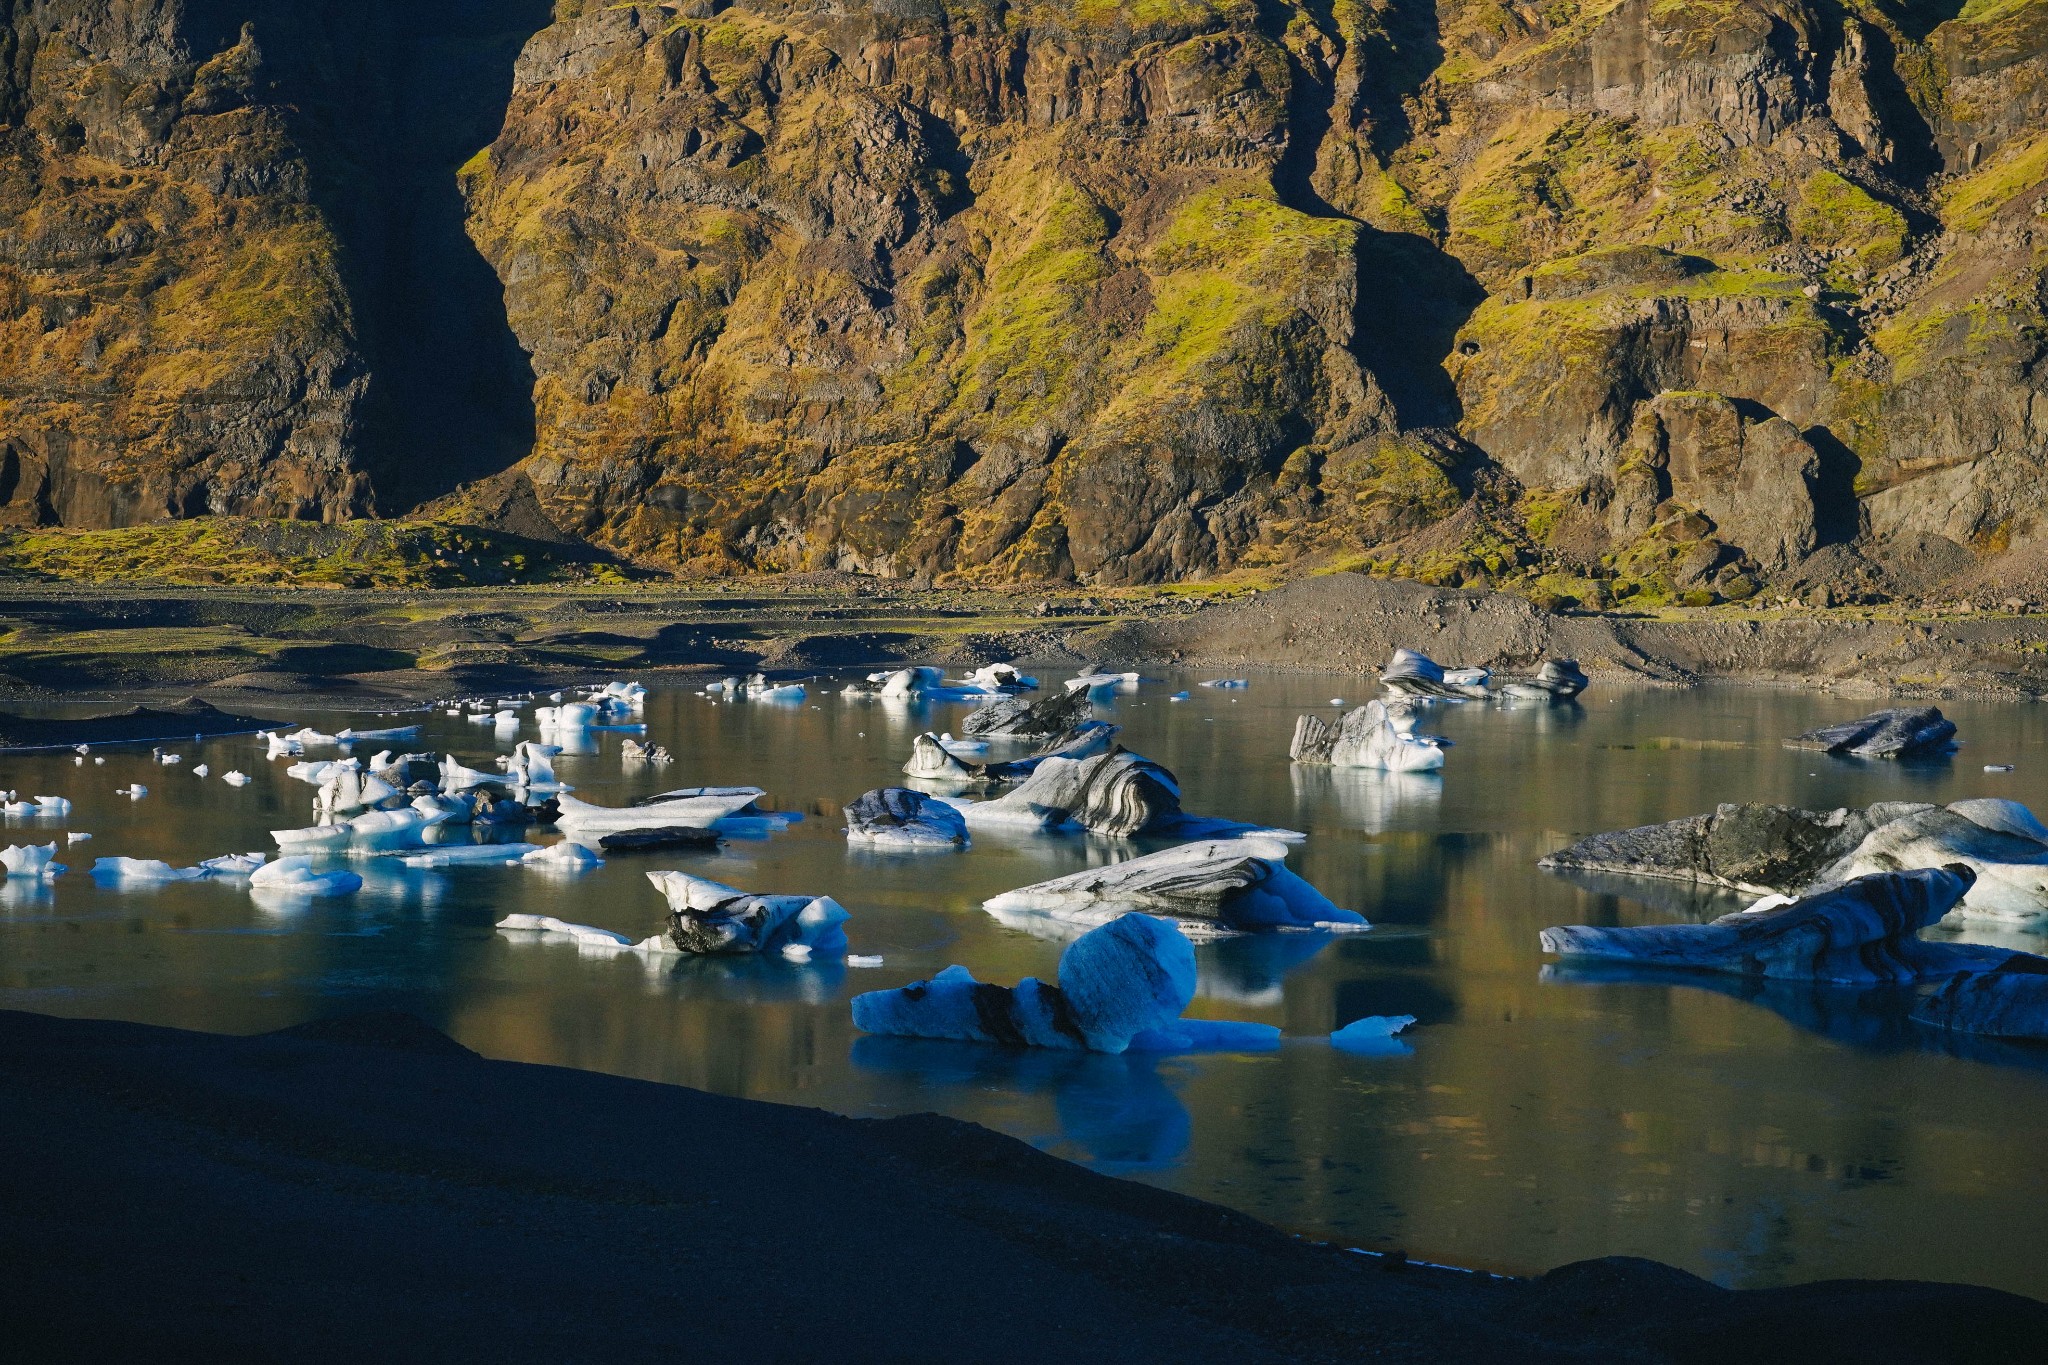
x,y
368,1189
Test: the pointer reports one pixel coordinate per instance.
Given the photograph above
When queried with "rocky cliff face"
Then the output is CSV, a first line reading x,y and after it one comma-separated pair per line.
x,y
233,275
1647,299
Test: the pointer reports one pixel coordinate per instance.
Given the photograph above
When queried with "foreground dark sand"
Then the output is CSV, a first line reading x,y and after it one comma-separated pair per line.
x,y
368,1190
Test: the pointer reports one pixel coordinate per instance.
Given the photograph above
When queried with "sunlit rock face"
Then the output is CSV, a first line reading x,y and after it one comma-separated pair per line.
x,y
1664,299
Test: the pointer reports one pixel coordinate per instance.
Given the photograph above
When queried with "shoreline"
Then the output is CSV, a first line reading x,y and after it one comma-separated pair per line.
x,y
380,650
259,1195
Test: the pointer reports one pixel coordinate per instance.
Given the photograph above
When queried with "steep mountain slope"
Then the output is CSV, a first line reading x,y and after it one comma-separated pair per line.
x,y
1638,300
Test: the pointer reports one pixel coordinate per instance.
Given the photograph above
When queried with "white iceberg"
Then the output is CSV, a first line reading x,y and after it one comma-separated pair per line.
x,y
202,770
142,872
234,779
699,809
583,935
312,837
455,777
532,765
31,860
566,856
1232,684
1213,887
296,877
709,917
134,792
403,732
1371,736
892,817
459,855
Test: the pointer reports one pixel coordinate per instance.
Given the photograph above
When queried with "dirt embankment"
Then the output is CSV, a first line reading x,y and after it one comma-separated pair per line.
x,y
1351,622
369,1190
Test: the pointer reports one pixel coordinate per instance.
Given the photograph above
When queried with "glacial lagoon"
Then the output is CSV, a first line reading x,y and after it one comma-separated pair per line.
x,y
1532,1116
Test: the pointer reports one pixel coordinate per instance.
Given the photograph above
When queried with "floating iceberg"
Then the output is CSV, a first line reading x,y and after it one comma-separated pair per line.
x,y
787,692
313,837
708,917
76,836
134,792
1417,675
1124,982
1116,793
1373,1035
142,872
699,809
201,770
892,817
532,766
445,810
1371,736
1556,680
582,935
234,864
1760,849
52,807
2008,1001
1214,887
633,751
462,855
346,788
1899,733
31,860
296,877
1232,684
943,758
1024,718
234,779
1001,678
378,736
1863,931
455,777
567,856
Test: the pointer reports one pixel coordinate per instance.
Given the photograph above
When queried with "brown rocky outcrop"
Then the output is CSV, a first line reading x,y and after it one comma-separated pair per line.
x,y
1644,299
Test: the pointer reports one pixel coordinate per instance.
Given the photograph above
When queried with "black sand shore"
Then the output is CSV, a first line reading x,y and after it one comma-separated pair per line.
x,y
369,1190
265,650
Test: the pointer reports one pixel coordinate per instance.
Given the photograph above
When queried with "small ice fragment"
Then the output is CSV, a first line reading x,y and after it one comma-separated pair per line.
x,y
76,836
236,779
201,770
235,864
1182,696
1998,767
568,856
99,763
133,793
862,960
141,871
168,759
584,935
1336,701
797,952
1371,1034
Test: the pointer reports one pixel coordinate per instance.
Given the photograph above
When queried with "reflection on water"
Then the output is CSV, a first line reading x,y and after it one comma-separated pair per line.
x,y
1753,1134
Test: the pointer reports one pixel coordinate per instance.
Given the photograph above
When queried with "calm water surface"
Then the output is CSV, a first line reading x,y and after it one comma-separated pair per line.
x,y
1532,1121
